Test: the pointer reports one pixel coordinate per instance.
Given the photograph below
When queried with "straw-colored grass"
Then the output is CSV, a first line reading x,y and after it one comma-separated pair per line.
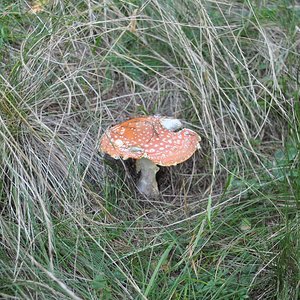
x,y
72,223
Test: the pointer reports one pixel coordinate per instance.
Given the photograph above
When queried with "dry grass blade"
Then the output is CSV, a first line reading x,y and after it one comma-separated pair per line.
x,y
72,223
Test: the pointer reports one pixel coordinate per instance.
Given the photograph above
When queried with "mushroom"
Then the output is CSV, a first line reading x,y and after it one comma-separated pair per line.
x,y
151,141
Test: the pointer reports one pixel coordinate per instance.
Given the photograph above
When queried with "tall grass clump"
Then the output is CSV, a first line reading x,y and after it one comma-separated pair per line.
x,y
226,225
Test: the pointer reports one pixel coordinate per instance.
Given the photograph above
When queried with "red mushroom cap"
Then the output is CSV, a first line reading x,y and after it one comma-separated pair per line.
x,y
146,137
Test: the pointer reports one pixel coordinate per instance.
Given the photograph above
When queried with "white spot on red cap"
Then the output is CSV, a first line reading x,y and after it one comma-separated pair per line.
x,y
119,143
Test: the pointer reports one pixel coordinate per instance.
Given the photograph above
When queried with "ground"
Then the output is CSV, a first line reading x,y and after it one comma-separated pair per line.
x,y
226,224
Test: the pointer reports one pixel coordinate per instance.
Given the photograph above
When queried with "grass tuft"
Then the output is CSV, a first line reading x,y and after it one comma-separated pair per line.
x,y
72,224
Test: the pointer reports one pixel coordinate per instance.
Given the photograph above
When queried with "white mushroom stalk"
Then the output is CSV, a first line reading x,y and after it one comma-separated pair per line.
x,y
151,141
147,183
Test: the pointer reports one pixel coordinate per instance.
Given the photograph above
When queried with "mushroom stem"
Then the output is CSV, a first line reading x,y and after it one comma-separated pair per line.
x,y
147,183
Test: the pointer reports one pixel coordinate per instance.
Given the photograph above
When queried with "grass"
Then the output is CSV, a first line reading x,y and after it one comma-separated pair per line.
x,y
72,223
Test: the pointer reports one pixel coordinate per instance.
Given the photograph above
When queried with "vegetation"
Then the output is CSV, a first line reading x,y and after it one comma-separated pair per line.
x,y
72,223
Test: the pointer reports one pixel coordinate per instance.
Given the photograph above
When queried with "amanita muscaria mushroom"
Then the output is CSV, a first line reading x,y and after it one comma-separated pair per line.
x,y
151,141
